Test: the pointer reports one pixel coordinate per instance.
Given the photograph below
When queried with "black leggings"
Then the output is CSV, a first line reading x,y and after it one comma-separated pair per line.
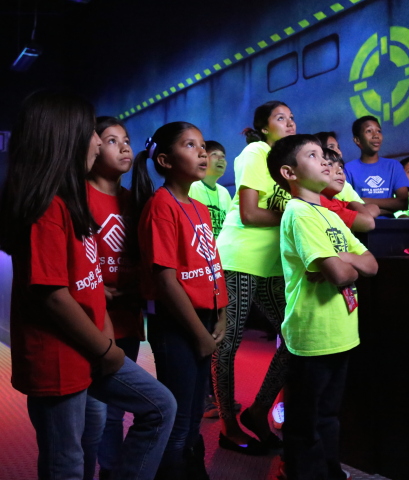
x,y
268,294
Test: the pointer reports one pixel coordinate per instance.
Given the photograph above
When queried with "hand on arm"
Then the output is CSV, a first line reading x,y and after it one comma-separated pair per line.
x,y
251,214
364,264
172,295
336,271
391,205
75,323
220,327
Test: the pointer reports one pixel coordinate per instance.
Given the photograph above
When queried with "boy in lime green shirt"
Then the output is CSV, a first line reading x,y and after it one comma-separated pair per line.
x,y
321,259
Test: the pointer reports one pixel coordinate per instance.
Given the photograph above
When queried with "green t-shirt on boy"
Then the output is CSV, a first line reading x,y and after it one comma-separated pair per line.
x,y
317,320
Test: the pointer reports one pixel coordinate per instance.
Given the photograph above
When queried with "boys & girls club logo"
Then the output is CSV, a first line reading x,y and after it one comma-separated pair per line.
x,y
380,77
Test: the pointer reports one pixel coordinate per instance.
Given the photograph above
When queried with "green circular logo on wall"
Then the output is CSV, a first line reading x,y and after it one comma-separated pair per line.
x,y
380,73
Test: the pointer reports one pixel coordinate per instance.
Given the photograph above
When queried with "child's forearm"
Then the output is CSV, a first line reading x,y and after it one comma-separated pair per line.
x,y
364,264
336,271
76,324
172,295
252,215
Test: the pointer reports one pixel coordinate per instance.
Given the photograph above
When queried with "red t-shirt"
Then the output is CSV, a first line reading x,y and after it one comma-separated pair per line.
x,y
340,208
167,238
44,360
117,269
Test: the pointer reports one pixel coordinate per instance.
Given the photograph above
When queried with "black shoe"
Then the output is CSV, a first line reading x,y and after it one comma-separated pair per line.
x,y
253,447
272,441
105,474
194,458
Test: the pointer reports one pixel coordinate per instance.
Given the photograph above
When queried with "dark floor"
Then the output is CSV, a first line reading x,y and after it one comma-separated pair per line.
x,y
17,439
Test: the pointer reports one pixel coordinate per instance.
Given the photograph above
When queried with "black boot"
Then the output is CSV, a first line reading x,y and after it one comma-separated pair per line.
x,y
195,464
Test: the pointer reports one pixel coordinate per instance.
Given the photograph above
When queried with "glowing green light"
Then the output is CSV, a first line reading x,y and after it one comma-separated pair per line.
x,y
121,116
398,56
289,30
172,89
151,100
407,71
198,76
165,93
189,81
360,58
250,50
133,110
384,45
400,35
337,7
373,100
262,44
354,1
238,56
275,38
303,23
320,15
399,92
144,104
181,85
138,107
360,86
401,114
216,67
207,72
386,112
227,61
127,114
371,65
358,107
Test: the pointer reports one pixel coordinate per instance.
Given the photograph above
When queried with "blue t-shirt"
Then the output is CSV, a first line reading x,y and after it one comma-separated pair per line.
x,y
376,180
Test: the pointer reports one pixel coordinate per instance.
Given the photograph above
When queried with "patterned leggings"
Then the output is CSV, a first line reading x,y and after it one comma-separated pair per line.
x,y
268,294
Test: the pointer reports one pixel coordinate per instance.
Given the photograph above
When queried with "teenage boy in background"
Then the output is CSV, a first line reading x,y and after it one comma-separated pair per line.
x,y
376,179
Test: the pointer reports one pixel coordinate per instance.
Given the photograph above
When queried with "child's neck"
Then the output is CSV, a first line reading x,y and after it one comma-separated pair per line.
x,y
104,185
180,190
298,191
210,181
369,157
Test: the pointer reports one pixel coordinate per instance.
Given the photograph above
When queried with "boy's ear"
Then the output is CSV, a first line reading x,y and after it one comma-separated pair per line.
x,y
357,141
163,160
288,172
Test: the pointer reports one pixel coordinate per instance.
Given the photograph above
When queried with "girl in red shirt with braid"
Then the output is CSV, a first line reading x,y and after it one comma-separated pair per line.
x,y
185,283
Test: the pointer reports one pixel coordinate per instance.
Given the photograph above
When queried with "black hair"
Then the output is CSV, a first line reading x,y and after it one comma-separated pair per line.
x,y
324,136
356,126
162,141
404,161
260,121
284,152
333,156
104,122
212,145
48,150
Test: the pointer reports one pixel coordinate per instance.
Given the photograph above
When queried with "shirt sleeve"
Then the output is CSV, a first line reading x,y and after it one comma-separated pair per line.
x,y
400,179
251,168
48,243
311,241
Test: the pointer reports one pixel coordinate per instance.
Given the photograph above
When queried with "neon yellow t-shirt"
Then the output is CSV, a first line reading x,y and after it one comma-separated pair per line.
x,y
348,194
217,200
317,321
244,248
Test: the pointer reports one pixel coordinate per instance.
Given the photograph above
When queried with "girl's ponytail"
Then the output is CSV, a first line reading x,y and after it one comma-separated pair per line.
x,y
142,186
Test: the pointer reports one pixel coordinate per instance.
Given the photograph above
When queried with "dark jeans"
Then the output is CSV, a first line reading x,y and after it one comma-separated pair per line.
x,y
179,368
312,401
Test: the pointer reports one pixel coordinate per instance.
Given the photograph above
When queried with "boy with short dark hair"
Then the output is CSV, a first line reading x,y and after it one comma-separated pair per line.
x,y
321,260
376,179
356,216
216,197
